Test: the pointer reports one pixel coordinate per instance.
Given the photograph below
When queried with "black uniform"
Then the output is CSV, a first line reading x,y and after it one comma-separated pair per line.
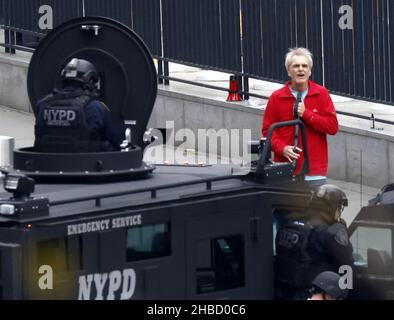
x,y
71,120
306,247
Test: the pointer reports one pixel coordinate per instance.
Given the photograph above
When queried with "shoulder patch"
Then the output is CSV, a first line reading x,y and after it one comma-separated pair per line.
x,y
341,237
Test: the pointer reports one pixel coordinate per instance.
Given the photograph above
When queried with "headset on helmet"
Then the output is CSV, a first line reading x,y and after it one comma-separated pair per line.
x,y
329,196
81,71
328,282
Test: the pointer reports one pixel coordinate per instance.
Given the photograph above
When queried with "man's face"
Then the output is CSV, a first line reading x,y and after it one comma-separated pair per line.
x,y
299,70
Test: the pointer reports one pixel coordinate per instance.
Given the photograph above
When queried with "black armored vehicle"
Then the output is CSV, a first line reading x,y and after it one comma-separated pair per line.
x,y
106,225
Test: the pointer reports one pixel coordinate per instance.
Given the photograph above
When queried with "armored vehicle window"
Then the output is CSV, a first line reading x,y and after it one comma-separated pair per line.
x,y
148,242
226,263
371,244
62,254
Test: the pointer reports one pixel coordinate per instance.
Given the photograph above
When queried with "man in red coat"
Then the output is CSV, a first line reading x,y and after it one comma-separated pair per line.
x,y
315,109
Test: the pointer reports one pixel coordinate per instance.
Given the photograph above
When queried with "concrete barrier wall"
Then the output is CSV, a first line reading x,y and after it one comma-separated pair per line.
x,y
356,155
209,121
361,156
13,88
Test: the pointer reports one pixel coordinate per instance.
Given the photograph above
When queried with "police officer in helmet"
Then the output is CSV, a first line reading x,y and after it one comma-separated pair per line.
x,y
311,242
326,286
73,119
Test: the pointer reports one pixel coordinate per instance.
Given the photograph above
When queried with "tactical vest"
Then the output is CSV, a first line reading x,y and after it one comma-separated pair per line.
x,y
294,264
61,125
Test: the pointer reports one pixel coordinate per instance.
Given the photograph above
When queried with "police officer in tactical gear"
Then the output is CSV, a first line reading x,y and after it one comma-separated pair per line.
x,y
326,286
311,242
72,119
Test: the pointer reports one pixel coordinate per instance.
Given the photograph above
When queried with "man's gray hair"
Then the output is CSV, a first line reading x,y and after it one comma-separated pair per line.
x,y
298,52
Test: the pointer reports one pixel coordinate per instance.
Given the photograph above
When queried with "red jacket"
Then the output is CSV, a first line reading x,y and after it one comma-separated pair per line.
x,y
319,118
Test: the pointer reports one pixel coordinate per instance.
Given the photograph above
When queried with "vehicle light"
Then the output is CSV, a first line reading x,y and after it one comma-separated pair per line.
x,y
29,226
7,209
21,186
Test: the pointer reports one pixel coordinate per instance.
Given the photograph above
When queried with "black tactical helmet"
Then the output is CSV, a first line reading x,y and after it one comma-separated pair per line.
x,y
329,196
328,282
81,71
